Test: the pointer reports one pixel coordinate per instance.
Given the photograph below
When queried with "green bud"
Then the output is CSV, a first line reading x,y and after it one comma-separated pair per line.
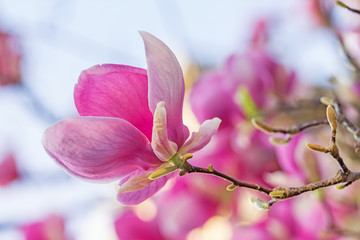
x,y
162,172
231,187
340,186
341,4
210,168
260,204
246,102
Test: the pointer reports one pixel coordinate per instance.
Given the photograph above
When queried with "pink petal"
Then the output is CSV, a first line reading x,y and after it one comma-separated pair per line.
x,y
130,226
199,139
140,195
166,83
98,148
8,170
52,225
213,96
136,182
286,156
162,147
115,91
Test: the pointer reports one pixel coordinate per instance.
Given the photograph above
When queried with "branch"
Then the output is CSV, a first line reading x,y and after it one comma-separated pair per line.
x,y
188,168
346,123
289,131
331,26
341,4
292,130
344,175
297,128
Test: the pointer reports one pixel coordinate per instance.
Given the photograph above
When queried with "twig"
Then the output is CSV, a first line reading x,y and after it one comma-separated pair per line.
x,y
348,56
194,169
344,175
289,131
341,4
292,130
344,121
331,27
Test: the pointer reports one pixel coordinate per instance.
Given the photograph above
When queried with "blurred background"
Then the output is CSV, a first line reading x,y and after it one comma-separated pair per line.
x,y
44,45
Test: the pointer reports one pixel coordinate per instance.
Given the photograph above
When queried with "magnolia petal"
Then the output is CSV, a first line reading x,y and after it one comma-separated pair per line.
x,y
98,148
163,148
213,96
199,139
129,226
166,83
287,157
136,182
128,197
119,91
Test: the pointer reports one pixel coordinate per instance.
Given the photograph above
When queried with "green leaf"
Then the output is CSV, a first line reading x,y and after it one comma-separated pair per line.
x,y
246,102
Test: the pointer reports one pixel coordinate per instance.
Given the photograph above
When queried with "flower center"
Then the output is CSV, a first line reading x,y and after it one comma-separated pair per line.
x,y
166,168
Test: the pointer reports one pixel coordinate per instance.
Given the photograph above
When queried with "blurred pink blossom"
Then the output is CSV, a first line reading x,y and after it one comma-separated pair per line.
x,y
8,170
240,150
291,219
9,60
129,226
193,209
50,228
267,82
319,11
130,124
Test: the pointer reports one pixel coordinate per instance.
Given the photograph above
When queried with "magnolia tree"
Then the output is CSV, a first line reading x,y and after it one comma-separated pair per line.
x,y
130,129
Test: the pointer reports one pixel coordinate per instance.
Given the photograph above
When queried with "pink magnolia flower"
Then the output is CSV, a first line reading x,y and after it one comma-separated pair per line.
x,y
130,125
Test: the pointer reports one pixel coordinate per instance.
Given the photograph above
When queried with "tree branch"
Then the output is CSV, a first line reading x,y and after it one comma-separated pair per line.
x,y
344,175
194,169
341,4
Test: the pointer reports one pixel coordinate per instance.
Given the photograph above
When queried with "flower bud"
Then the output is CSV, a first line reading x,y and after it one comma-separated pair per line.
x,y
331,116
279,141
210,168
162,172
325,100
316,147
231,187
260,204
261,126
